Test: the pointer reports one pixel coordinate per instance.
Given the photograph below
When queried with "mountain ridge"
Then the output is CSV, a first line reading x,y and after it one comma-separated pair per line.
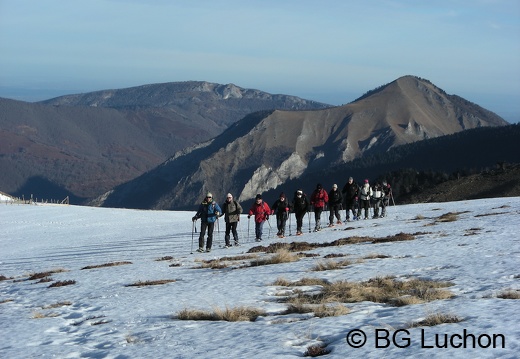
x,y
275,147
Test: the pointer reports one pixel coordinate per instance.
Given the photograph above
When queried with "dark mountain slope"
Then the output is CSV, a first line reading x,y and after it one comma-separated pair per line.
x,y
84,145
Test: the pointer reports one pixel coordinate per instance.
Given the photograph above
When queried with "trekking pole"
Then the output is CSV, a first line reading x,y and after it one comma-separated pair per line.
x,y
192,231
248,221
218,232
269,234
290,232
309,216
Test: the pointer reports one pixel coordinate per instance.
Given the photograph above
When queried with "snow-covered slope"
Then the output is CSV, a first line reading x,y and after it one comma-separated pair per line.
x,y
101,316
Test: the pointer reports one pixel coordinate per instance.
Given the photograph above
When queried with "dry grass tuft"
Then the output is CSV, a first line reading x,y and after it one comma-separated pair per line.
x,y
509,294
40,315
305,246
316,350
330,264
57,305
335,255
396,238
376,256
151,282
302,282
490,214
379,290
2,278
112,264
41,275
6,301
281,256
62,283
214,264
450,216
437,319
165,258
239,314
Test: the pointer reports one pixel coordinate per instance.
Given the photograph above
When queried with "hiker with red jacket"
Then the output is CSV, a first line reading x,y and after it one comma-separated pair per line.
x,y
319,200
261,211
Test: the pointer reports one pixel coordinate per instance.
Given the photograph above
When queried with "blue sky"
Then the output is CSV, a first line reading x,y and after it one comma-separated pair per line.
x,y
331,51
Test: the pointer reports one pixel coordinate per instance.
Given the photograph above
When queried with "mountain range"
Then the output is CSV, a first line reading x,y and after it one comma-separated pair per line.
x,y
268,150
83,145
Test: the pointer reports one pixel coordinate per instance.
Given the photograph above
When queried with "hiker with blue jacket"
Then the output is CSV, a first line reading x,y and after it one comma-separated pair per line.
x,y
208,213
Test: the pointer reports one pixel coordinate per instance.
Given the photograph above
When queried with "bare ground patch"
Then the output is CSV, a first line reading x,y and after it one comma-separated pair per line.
x,y
151,282
305,246
111,264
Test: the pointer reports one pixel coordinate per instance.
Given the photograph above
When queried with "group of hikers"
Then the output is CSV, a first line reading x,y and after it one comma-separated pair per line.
x,y
358,199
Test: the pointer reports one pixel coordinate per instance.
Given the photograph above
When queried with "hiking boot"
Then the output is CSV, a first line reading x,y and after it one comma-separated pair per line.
x,y
339,222
237,244
208,250
200,250
227,246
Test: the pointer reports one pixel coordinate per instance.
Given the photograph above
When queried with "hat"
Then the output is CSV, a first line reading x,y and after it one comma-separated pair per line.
x,y
209,195
319,186
299,191
334,186
366,181
259,196
282,195
350,179
229,195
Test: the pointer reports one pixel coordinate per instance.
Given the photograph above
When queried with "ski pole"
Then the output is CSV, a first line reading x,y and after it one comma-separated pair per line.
x,y
269,234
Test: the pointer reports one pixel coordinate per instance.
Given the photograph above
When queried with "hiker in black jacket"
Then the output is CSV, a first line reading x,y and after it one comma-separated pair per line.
x,y
300,206
350,195
335,204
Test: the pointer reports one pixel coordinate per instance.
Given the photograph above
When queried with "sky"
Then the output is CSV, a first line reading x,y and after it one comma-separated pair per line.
x,y
331,51
101,315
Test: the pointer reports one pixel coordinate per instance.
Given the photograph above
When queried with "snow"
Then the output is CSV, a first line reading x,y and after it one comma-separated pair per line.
x,y
5,198
479,253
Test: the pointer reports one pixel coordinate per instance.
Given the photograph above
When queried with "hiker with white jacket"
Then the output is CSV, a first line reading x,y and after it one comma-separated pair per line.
x,y
365,193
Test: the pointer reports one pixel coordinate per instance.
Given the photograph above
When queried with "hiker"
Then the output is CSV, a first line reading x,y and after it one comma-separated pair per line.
x,y
300,205
335,203
377,198
319,200
365,193
281,209
350,194
231,210
387,189
208,213
260,210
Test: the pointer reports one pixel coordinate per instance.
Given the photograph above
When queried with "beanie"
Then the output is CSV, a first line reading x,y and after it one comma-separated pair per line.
x,y
259,196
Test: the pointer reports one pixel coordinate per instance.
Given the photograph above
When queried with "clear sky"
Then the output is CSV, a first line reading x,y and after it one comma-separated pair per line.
x,y
331,51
